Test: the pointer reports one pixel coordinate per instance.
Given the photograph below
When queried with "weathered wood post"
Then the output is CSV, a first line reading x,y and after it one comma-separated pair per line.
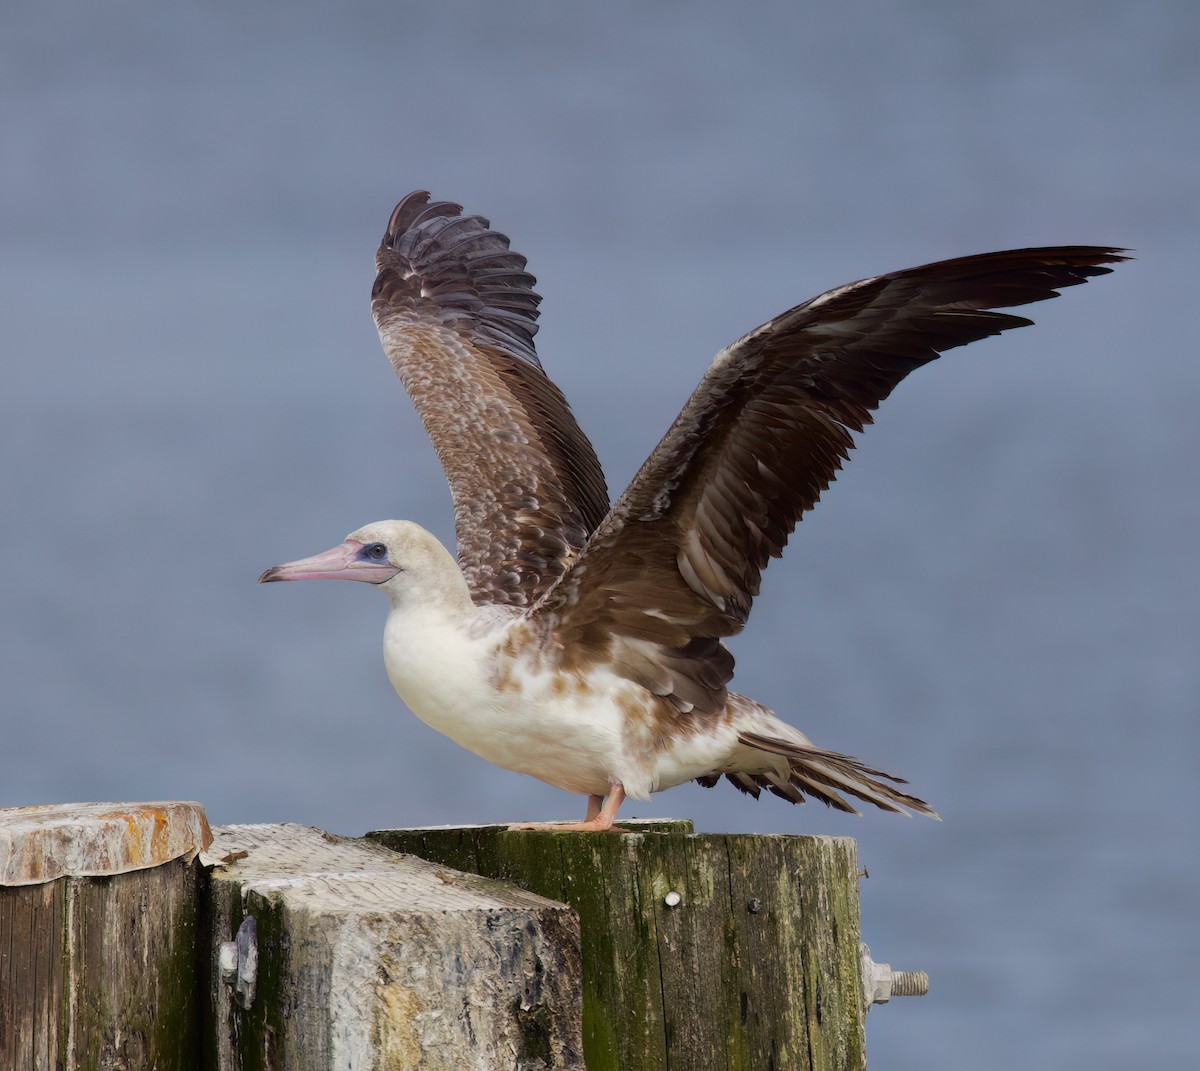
x,y
283,948
371,960
99,923
701,952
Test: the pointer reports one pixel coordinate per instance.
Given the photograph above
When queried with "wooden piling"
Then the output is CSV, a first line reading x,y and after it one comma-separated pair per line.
x,y
700,951
99,923
283,948
371,960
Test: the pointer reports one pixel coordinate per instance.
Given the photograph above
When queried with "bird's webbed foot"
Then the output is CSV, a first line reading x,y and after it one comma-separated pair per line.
x,y
601,814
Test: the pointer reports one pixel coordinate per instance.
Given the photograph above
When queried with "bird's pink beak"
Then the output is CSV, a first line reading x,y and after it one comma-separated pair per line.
x,y
343,562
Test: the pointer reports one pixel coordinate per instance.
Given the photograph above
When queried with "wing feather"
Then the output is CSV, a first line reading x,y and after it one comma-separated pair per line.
x,y
457,313
677,562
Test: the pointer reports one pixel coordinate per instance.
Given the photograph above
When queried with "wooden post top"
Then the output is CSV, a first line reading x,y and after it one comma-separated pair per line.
x,y
40,844
344,877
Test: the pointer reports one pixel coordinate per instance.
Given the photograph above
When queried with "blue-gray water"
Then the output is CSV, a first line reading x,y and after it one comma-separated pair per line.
x,y
999,599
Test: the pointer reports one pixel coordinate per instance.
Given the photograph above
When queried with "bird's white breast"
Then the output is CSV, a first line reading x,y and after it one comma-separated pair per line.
x,y
503,708
492,695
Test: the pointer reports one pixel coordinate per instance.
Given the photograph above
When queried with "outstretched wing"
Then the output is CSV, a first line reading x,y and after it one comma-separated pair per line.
x,y
677,562
456,314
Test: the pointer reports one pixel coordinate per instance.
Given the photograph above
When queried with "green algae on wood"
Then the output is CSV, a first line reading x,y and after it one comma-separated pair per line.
x,y
753,964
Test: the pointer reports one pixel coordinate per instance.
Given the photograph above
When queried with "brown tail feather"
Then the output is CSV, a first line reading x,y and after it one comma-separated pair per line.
x,y
824,774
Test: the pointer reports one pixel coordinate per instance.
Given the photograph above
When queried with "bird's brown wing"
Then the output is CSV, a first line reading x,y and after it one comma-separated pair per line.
x,y
676,563
456,313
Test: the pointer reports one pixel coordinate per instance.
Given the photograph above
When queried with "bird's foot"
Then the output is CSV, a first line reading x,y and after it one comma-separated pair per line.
x,y
601,814
588,825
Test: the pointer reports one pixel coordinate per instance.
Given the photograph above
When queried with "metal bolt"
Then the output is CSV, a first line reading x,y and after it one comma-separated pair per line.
x,y
754,905
672,899
909,983
881,983
238,962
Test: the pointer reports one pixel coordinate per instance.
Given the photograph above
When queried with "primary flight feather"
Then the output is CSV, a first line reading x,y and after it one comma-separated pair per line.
x,y
580,643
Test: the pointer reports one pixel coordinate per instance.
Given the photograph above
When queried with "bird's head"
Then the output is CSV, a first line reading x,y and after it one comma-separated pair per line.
x,y
400,557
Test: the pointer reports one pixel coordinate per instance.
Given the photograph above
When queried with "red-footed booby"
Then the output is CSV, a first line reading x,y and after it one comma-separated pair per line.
x,y
581,644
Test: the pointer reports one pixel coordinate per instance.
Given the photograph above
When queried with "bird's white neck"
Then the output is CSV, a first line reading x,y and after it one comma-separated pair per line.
x,y
437,655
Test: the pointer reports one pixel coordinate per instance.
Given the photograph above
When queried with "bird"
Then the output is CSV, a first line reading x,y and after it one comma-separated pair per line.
x,y
582,642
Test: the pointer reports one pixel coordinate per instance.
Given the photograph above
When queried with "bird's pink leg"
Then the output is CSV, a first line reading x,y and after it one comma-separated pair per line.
x,y
601,813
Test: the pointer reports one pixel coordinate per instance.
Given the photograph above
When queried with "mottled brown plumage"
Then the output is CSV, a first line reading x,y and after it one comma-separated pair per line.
x,y
677,562
457,314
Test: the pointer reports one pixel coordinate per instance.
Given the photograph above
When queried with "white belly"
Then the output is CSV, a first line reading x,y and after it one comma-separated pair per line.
x,y
580,738
565,744
573,742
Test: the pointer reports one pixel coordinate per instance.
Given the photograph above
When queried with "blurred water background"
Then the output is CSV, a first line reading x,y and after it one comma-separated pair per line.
x,y
999,599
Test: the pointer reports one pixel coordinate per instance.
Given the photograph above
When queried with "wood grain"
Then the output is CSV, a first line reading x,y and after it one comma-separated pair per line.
x,y
755,968
100,934
375,960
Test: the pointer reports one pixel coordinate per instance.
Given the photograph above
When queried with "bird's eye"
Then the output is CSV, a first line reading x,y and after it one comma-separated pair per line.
x,y
375,552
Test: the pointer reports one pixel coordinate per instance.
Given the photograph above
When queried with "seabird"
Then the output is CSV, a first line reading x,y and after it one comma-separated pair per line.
x,y
582,644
